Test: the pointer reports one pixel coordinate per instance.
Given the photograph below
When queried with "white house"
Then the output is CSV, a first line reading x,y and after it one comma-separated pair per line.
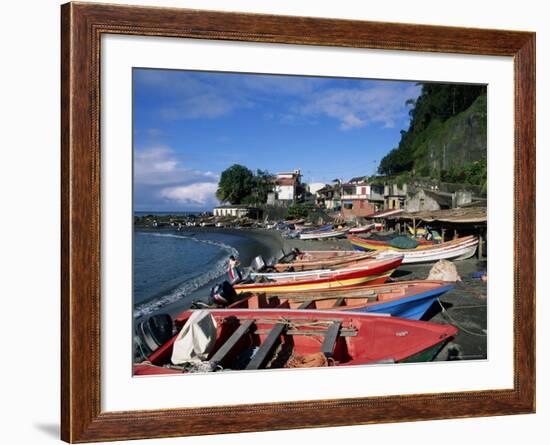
x,y
286,184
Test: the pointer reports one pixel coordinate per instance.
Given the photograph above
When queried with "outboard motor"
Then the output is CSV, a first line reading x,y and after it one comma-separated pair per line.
x,y
155,331
257,264
223,294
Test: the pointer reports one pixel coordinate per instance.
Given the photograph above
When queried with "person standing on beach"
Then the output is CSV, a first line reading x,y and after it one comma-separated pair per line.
x,y
235,275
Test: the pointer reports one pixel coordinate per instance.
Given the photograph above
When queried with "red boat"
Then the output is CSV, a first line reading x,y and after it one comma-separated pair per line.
x,y
277,338
374,272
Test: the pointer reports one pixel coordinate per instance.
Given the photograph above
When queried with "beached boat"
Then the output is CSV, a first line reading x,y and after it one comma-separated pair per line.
x,y
279,276
378,244
294,221
458,249
324,234
277,338
318,229
315,260
376,271
365,229
385,244
406,299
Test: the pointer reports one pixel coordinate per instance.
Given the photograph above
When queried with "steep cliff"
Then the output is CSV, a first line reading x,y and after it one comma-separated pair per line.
x,y
447,148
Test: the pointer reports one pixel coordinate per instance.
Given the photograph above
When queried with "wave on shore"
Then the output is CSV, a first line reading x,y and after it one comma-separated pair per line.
x,y
190,285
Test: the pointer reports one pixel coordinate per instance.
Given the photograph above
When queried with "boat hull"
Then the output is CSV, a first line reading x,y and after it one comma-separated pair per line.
x,y
324,234
452,250
340,261
360,339
375,273
414,303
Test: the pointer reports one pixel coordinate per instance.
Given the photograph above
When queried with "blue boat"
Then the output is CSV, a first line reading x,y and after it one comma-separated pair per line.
x,y
318,229
413,307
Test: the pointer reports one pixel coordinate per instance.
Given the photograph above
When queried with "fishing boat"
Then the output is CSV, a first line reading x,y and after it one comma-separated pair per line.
x,y
246,339
280,276
294,221
315,260
378,244
387,243
365,229
458,249
324,234
376,271
405,299
318,229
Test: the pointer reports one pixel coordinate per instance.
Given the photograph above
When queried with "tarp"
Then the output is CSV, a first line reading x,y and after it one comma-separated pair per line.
x,y
196,339
403,242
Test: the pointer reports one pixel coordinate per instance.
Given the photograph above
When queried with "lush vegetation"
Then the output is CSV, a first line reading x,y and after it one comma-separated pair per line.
x,y
474,173
298,210
446,139
239,185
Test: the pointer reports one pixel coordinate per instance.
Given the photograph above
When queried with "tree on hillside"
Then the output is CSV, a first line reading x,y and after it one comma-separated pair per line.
x,y
236,183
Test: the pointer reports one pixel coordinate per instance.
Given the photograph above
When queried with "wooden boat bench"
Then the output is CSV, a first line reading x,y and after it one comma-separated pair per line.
x,y
264,351
305,304
331,336
222,353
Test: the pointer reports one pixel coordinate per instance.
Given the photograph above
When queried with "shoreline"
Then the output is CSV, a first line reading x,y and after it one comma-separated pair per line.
x,y
249,243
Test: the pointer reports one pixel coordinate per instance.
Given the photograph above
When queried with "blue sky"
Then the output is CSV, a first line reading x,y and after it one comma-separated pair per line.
x,y
189,126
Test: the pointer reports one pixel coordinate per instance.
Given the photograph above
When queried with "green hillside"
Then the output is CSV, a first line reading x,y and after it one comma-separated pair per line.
x,y
445,142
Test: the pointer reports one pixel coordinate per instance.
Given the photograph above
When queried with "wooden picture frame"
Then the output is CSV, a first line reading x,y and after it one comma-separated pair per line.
x,y
82,26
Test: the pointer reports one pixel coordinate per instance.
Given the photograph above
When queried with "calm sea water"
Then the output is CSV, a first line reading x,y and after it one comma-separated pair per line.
x,y
168,266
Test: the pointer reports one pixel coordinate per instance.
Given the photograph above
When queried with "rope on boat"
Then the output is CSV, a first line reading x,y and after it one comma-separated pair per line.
x,y
462,328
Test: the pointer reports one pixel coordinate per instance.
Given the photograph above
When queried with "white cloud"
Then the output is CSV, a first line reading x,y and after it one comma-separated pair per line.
x,y
355,108
202,193
162,180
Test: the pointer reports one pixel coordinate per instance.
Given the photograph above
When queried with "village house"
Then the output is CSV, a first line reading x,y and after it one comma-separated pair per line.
x,y
426,199
287,187
329,197
395,196
360,198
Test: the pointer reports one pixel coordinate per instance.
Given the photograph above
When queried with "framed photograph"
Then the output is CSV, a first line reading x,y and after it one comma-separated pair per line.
x,y
274,222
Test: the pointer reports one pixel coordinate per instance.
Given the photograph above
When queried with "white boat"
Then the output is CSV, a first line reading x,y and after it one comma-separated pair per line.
x,y
460,251
324,234
364,229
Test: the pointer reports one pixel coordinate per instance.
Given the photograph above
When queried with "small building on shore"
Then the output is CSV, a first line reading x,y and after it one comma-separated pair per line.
x,y
329,197
395,196
287,186
360,199
238,211
428,200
